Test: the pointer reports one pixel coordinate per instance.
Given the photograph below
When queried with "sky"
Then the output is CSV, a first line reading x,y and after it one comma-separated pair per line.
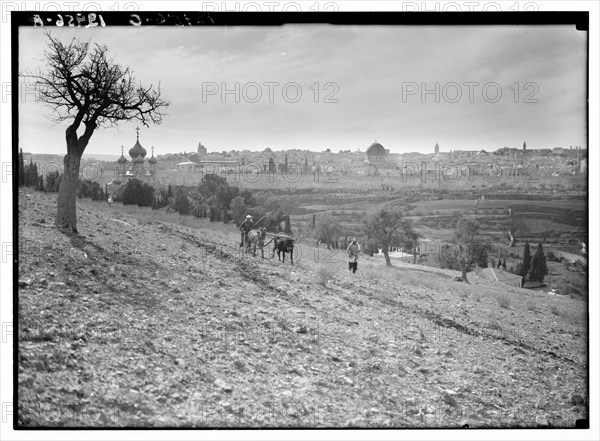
x,y
358,85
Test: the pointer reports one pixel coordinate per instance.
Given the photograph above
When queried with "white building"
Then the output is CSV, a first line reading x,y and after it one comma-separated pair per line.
x,y
186,167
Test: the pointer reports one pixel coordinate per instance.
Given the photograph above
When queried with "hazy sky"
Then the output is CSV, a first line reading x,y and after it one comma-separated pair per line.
x,y
365,69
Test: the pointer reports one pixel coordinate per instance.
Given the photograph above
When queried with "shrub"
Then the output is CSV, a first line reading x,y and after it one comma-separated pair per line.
x,y
448,258
504,302
136,192
53,181
91,189
324,273
182,204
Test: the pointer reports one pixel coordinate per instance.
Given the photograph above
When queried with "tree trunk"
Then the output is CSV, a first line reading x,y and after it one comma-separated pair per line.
x,y
463,269
66,213
388,262
66,210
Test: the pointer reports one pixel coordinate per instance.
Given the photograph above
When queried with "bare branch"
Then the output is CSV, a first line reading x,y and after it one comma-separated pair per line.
x,y
83,85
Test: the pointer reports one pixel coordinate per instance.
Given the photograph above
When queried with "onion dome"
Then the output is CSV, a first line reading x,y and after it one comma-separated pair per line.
x,y
139,160
152,160
122,159
376,149
137,149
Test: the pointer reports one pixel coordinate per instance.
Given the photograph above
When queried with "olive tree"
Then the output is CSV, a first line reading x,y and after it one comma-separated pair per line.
x,y
327,230
387,228
468,246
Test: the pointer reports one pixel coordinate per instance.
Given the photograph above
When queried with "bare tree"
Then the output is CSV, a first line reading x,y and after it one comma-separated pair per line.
x,y
85,87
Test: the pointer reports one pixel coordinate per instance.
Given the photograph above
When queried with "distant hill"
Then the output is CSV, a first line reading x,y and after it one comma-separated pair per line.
x,y
46,157
101,157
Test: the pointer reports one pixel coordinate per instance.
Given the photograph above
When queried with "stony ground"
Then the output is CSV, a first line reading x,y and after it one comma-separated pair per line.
x,y
141,323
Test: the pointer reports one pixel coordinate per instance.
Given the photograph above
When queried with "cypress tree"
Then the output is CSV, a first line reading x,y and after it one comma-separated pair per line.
x,y
21,170
30,174
539,268
526,260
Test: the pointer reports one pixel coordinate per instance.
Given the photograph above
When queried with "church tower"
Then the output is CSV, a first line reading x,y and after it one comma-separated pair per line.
x,y
121,164
138,153
436,149
152,162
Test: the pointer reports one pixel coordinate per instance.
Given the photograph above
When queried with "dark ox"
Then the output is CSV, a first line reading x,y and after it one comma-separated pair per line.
x,y
256,238
283,245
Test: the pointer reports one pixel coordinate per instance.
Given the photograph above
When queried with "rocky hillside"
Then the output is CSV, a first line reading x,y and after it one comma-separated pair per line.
x,y
138,322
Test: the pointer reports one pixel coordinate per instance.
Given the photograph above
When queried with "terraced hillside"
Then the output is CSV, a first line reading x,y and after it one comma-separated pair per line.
x,y
560,223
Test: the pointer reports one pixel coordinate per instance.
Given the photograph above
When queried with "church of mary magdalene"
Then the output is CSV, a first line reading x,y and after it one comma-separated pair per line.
x,y
135,168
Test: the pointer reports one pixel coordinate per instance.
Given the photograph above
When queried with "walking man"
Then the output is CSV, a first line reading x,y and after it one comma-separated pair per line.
x,y
245,228
353,250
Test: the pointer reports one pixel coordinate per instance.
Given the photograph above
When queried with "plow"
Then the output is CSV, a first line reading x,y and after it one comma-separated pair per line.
x,y
273,236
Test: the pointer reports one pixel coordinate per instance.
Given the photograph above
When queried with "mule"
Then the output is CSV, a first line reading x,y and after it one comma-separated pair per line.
x,y
256,238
